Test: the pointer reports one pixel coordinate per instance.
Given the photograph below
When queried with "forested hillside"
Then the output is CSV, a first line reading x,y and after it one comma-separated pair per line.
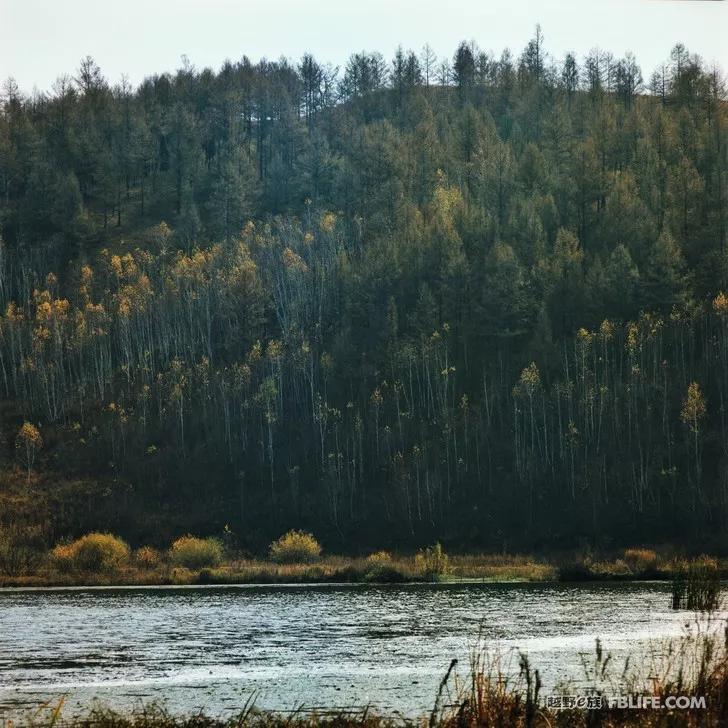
x,y
477,300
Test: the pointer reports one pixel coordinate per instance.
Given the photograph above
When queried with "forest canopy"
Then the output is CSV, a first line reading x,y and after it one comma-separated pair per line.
x,y
480,299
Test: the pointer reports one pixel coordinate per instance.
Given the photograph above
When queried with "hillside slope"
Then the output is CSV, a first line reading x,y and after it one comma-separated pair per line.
x,y
487,308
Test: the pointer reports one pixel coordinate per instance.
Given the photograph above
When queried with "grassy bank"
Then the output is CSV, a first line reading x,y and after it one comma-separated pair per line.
x,y
328,569
343,569
100,559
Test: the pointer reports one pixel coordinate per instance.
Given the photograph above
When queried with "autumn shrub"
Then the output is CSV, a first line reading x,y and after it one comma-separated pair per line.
x,y
94,552
379,558
196,553
432,562
295,547
147,557
21,549
61,557
640,560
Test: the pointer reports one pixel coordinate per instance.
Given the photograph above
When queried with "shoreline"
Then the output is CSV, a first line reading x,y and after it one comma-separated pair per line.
x,y
147,567
6,589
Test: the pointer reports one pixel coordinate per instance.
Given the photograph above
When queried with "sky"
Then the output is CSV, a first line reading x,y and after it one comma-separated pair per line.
x,y
41,39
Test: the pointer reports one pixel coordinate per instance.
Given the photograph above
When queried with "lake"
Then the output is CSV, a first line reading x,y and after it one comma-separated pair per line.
x,y
319,647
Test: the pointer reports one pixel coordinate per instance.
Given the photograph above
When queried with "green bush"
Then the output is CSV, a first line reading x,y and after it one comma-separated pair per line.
x,y
196,553
94,552
295,547
432,562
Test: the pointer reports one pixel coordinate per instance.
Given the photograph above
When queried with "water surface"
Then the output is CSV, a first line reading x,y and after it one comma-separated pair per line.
x,y
323,646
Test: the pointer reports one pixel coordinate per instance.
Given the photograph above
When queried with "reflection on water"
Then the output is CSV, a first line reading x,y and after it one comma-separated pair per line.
x,y
312,646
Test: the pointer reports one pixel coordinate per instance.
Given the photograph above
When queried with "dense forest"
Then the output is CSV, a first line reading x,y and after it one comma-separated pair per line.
x,y
482,300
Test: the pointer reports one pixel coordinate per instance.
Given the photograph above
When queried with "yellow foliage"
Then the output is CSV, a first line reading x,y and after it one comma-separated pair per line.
x,y
255,353
241,375
693,408
328,220
95,552
274,350
633,339
584,337
293,261
191,552
116,265
606,329
13,314
87,275
147,557
295,547
720,304
529,381
29,433
379,558
432,561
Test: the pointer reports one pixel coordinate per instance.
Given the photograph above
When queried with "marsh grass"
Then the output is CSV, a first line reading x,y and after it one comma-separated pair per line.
x,y
432,562
501,567
696,585
328,569
641,560
192,560
503,689
632,564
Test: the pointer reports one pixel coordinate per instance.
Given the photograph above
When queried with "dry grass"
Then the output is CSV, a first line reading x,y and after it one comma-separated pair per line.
x,y
148,566
504,689
502,567
640,560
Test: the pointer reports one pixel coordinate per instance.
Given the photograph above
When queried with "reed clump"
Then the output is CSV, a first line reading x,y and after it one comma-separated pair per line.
x,y
696,584
432,562
503,689
640,560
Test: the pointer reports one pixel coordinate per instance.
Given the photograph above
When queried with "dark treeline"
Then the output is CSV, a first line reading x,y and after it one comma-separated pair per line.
x,y
479,300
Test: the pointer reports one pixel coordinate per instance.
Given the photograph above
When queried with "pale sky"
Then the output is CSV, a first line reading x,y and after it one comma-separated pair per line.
x,y
40,39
